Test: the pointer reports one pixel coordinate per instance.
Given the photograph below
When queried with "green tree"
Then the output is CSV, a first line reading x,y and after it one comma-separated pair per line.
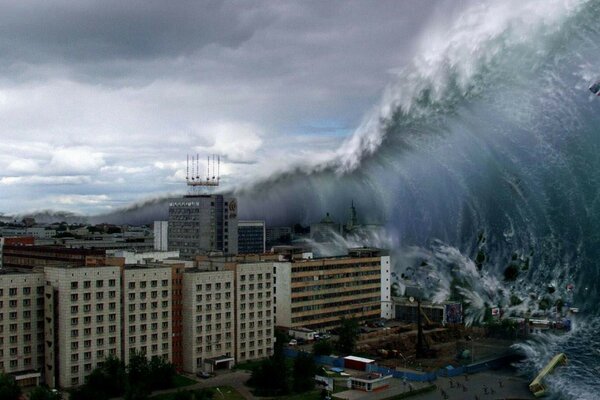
x,y
348,335
323,348
9,390
183,395
204,394
161,373
271,378
43,393
304,372
138,377
108,380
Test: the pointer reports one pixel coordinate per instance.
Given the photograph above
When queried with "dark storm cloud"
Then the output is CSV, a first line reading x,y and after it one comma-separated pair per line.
x,y
76,31
104,98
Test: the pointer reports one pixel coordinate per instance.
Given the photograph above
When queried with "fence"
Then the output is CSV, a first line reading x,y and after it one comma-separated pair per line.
x,y
414,376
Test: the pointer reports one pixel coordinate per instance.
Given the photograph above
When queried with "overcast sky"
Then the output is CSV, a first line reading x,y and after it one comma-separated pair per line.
x,y
101,101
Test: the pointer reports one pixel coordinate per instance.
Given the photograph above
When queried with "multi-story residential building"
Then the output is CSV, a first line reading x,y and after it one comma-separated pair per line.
x,y
251,237
208,320
200,224
161,229
254,316
29,257
22,325
147,308
82,321
316,293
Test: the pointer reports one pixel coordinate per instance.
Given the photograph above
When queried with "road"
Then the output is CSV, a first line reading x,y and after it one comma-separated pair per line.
x,y
235,379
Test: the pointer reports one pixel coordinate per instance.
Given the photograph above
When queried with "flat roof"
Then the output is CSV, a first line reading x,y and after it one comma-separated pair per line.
x,y
359,359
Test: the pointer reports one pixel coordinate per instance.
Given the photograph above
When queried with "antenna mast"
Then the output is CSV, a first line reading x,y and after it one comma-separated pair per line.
x,y
195,182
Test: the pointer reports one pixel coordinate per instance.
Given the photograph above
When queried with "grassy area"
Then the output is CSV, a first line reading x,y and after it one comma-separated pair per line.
x,y
228,392
312,395
181,381
248,366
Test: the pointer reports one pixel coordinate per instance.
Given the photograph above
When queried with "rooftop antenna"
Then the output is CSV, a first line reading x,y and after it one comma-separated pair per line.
x,y
213,177
187,168
195,182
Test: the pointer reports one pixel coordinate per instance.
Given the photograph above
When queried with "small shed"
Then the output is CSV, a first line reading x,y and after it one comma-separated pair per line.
x,y
370,382
358,363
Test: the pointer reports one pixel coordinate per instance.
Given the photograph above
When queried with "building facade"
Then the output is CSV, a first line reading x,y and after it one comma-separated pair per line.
x,y
317,293
29,257
208,320
161,232
22,325
199,224
251,237
147,308
254,305
82,321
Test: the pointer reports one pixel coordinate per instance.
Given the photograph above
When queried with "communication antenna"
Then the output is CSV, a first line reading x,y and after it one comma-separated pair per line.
x,y
212,180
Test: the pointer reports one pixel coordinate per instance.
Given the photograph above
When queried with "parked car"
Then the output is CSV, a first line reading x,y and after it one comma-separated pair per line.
x,y
293,342
203,375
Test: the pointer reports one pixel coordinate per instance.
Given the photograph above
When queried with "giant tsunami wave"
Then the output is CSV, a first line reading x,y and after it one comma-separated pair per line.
x,y
489,142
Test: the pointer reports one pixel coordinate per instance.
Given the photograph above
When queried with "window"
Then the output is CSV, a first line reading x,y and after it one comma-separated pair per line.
x,y
74,285
112,282
131,285
99,283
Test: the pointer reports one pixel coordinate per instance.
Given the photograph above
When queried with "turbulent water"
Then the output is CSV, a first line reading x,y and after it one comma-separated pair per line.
x,y
489,144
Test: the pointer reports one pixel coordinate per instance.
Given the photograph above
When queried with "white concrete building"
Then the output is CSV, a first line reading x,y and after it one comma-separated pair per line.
x,y
254,310
82,321
161,235
22,325
147,311
208,320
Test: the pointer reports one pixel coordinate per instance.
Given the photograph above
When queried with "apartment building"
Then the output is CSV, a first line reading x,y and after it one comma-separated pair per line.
x,y
254,319
22,325
82,321
208,320
147,308
316,293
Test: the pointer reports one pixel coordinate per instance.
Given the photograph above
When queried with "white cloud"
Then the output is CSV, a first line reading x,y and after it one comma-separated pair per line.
x,y
23,166
76,199
75,161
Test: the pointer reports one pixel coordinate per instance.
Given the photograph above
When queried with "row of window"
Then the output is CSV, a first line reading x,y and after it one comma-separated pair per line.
x,y
88,331
88,284
26,314
335,276
323,267
338,285
26,302
153,327
88,320
88,296
25,290
153,283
